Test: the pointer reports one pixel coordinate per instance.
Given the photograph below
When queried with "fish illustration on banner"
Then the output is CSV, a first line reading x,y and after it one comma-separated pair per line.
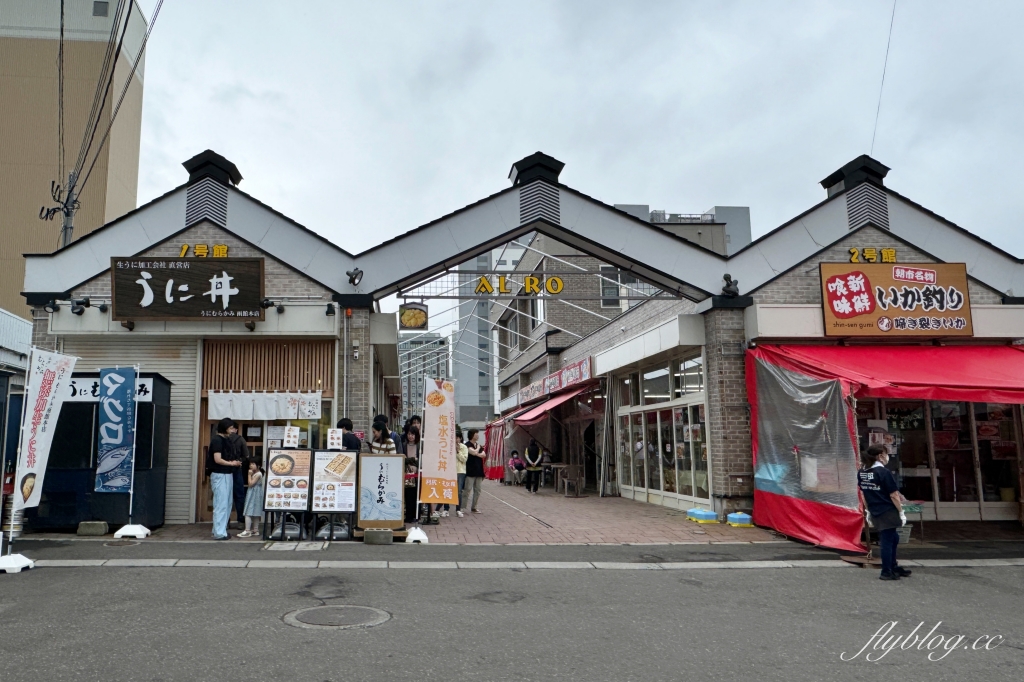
x,y
116,449
47,386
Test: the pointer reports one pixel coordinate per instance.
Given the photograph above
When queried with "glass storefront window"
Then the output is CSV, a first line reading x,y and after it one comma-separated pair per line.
x,y
684,458
954,453
699,445
651,447
637,436
625,453
634,388
624,393
909,447
668,469
997,452
656,386
689,376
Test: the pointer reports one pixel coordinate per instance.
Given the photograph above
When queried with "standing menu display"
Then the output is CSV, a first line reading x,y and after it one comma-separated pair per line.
x,y
334,481
288,480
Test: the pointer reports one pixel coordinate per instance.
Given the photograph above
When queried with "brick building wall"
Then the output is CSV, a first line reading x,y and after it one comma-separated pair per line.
x,y
728,414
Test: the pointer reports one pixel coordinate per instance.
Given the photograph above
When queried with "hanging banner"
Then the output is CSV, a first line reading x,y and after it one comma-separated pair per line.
x,y
440,480
48,376
115,452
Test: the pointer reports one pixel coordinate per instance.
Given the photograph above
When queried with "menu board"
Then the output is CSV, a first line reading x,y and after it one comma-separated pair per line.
x,y
292,436
335,440
288,480
334,481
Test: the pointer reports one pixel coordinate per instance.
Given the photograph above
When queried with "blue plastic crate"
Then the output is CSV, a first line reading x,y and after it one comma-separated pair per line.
x,y
739,520
702,515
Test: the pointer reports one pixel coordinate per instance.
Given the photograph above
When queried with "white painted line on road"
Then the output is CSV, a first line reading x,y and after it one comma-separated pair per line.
x,y
213,563
255,563
969,563
353,564
143,563
559,564
69,563
620,566
422,564
821,563
491,564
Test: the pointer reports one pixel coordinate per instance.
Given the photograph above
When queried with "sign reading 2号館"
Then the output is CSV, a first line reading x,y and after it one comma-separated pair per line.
x,y
149,288
888,299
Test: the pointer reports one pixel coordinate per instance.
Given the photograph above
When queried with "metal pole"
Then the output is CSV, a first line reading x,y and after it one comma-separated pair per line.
x,y
68,227
344,355
135,418
17,460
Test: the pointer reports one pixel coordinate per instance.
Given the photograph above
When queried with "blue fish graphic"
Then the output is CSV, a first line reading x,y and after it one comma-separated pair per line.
x,y
110,461
117,482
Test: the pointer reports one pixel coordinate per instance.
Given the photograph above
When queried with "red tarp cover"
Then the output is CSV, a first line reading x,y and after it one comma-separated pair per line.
x,y
536,414
982,374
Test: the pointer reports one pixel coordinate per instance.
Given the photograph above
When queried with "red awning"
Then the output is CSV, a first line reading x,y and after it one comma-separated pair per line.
x,y
537,413
970,373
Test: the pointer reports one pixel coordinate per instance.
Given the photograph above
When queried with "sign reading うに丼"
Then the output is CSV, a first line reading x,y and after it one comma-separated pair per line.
x,y
883,299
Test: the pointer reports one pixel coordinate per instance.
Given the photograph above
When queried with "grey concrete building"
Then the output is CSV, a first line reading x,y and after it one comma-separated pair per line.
x,y
421,356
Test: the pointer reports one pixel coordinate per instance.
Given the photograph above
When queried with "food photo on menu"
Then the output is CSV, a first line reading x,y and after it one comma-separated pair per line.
x,y
288,480
334,481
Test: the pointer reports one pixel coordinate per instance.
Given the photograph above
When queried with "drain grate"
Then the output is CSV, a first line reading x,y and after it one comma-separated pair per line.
x,y
336,617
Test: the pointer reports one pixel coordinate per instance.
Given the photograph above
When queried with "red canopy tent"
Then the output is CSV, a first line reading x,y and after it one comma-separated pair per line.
x,y
792,383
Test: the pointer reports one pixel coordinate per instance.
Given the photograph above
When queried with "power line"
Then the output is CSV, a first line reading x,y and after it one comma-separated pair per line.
x,y
60,98
885,65
102,85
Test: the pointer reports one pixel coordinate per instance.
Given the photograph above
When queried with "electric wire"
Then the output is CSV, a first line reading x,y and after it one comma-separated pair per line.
x,y
102,86
60,98
885,65
124,90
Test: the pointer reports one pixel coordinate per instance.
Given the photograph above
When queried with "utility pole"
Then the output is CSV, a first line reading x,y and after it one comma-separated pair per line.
x,y
68,209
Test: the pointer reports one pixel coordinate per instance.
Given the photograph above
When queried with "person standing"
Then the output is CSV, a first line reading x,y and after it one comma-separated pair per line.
x,y
534,466
349,440
253,501
239,476
395,438
474,483
222,465
381,443
882,497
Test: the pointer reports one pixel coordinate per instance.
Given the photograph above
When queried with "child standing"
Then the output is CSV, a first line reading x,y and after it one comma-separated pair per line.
x,y
253,502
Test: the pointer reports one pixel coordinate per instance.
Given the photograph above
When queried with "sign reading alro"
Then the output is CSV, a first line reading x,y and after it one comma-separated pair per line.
x,y
882,299
145,288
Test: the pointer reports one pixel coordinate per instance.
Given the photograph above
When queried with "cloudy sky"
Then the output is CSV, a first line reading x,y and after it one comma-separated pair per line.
x,y
364,120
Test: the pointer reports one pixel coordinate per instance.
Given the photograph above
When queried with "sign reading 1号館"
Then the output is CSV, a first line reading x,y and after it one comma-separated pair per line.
x,y
888,299
148,288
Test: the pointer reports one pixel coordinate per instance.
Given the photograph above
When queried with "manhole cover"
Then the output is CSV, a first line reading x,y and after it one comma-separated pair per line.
x,y
120,543
336,617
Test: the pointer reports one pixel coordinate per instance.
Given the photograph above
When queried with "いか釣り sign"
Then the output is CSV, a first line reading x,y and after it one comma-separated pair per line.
x,y
882,299
148,288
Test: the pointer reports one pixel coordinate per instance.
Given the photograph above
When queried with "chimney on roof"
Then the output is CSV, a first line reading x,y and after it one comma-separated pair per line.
x,y
210,164
861,169
536,166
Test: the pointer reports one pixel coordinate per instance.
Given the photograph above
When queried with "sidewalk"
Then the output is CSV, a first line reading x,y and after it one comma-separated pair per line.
x,y
513,516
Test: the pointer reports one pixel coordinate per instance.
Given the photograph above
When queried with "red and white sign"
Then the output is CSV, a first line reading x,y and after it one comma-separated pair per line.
x,y
576,373
48,378
902,273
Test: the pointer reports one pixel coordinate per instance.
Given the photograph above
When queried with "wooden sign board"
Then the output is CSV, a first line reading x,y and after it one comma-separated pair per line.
x,y
149,288
896,300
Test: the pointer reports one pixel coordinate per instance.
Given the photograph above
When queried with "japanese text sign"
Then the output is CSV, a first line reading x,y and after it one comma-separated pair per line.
x,y
116,447
287,480
908,299
381,484
437,461
149,288
48,375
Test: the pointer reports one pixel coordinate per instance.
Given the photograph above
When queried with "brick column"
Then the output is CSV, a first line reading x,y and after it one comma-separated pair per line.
x,y
728,418
360,372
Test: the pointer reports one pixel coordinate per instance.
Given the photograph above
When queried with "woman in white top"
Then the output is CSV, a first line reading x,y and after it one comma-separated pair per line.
x,y
381,444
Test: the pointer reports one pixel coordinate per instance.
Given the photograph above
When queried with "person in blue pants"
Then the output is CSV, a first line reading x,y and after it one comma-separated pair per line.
x,y
222,463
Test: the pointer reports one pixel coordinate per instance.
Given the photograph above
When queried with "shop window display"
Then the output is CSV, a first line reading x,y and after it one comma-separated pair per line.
x,y
699,446
997,452
954,453
625,453
906,438
639,469
668,468
651,448
684,457
689,376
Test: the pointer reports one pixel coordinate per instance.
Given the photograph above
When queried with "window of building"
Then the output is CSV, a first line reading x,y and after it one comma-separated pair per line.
x,y
502,262
656,386
610,287
689,376
513,331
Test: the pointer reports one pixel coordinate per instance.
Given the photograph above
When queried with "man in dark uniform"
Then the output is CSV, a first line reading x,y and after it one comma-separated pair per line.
x,y
885,505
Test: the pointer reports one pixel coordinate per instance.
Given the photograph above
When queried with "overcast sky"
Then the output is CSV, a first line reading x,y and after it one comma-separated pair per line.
x,y
364,120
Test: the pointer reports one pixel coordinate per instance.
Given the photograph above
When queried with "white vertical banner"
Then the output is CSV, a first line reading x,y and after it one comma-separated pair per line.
x,y
48,377
439,483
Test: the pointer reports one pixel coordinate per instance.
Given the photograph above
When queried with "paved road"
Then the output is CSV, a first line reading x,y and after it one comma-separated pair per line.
x,y
109,623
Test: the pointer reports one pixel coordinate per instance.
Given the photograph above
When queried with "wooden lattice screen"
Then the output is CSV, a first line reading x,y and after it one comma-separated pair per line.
x,y
269,366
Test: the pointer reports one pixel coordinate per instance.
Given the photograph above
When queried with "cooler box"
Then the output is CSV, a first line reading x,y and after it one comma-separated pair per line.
x,y
702,515
739,520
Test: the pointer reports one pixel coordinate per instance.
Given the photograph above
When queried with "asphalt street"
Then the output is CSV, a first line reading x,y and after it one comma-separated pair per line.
x,y
116,623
